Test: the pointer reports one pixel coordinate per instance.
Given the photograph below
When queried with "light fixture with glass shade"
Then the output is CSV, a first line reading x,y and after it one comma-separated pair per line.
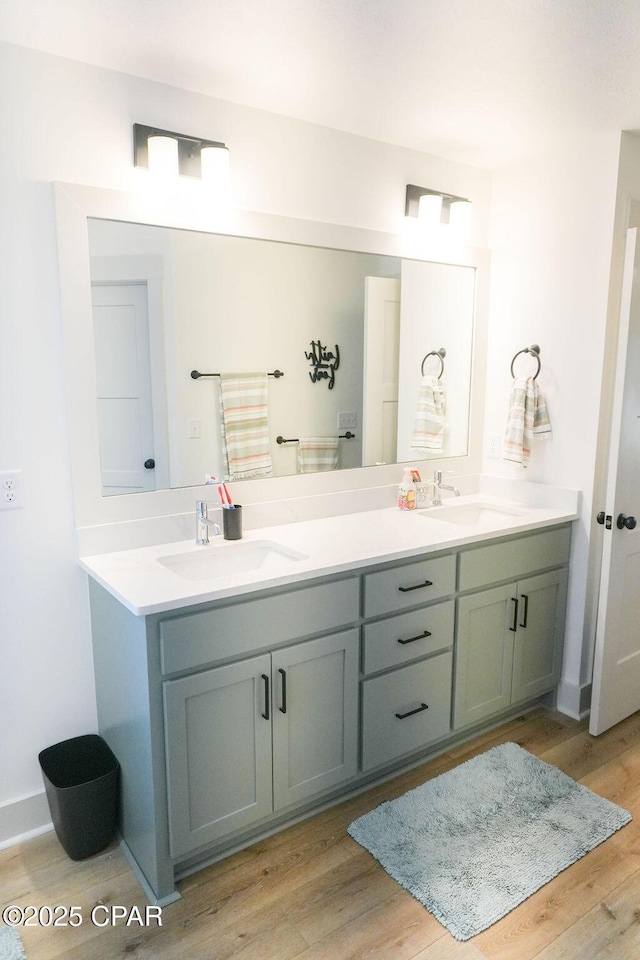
x,y
166,151
434,208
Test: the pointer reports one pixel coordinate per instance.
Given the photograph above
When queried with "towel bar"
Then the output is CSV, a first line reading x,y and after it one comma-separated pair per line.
x,y
195,374
342,436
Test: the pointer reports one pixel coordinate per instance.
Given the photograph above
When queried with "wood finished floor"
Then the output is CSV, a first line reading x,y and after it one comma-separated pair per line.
x,y
311,893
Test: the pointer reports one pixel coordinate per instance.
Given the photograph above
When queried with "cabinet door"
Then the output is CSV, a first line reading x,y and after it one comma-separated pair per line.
x,y
315,716
537,657
218,747
484,658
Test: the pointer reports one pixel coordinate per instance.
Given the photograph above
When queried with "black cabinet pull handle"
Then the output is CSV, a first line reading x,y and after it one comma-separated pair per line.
x,y
266,696
410,713
525,614
418,586
283,705
421,636
514,625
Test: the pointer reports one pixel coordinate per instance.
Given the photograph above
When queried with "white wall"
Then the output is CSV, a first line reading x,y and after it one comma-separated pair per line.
x,y
551,240
65,121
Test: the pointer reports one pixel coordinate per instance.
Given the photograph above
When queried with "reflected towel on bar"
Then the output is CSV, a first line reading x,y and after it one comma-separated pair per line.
x,y
317,453
245,425
527,418
428,428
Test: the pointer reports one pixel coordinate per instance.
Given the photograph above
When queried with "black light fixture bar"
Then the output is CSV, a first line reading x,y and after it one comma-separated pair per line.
x,y
188,148
412,200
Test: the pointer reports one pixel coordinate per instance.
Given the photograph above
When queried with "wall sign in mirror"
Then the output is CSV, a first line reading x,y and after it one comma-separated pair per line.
x,y
325,362
168,301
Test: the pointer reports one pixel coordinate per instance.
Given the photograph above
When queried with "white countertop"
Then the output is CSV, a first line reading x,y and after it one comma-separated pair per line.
x,y
330,545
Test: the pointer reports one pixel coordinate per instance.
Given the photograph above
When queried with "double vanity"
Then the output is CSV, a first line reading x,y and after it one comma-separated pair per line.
x,y
244,684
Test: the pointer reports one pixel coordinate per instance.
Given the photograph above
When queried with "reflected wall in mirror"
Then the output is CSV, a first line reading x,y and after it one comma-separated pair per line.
x,y
168,301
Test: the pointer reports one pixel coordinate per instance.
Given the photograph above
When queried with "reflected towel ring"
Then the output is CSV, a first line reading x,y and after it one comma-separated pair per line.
x,y
440,354
534,350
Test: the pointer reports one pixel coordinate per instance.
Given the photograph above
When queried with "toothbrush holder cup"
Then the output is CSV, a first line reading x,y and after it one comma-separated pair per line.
x,y
232,522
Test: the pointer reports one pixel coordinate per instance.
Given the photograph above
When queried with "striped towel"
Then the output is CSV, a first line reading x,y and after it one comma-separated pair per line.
x,y
428,429
527,418
317,453
245,427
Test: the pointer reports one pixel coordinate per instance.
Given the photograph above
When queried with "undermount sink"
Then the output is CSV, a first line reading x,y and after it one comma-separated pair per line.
x,y
472,514
229,559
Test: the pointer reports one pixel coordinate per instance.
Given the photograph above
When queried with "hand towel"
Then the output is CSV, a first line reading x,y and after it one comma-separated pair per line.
x,y
317,454
527,417
245,425
428,429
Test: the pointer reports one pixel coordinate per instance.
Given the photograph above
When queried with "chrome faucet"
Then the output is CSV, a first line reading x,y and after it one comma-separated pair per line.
x,y
203,523
438,485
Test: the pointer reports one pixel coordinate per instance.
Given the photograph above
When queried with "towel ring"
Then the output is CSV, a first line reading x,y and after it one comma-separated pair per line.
x,y
440,354
534,350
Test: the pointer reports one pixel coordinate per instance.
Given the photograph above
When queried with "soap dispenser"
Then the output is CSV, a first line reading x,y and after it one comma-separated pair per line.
x,y
407,491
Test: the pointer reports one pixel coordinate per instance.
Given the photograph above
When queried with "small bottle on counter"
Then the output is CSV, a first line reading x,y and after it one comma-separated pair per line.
x,y
407,491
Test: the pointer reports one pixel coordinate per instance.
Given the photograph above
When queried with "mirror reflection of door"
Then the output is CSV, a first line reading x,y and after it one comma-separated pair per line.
x,y
123,375
381,346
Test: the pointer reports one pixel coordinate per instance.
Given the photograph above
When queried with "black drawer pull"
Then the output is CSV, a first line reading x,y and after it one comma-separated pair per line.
x,y
421,636
283,674
410,713
418,586
266,696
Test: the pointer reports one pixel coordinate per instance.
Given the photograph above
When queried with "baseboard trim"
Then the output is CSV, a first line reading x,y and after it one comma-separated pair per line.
x,y
574,699
23,819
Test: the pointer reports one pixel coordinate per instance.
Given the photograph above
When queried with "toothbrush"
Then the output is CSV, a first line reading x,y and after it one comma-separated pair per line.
x,y
230,502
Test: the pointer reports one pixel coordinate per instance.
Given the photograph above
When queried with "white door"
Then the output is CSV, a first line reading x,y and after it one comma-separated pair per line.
x,y
123,373
381,352
616,676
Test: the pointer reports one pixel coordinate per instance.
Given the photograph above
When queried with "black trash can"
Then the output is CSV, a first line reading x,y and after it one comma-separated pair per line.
x,y
82,781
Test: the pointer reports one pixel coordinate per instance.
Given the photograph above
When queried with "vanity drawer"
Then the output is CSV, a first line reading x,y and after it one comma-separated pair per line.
x,y
387,735
224,632
409,585
392,642
515,558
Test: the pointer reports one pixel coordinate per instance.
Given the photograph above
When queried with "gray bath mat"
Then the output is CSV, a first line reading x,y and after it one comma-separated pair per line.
x,y
476,841
11,945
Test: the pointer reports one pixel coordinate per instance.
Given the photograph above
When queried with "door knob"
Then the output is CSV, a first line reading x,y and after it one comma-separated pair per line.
x,y
149,464
629,522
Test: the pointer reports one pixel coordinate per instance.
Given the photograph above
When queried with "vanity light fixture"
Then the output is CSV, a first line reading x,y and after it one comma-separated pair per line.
x,y
435,208
165,151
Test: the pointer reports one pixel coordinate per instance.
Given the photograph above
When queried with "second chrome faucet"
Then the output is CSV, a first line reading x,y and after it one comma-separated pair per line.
x,y
438,485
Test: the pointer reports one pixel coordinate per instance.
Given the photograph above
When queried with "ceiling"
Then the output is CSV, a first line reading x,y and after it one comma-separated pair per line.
x,y
481,81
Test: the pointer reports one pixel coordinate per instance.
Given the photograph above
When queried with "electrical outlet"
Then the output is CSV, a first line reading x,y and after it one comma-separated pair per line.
x,y
348,420
194,429
11,490
493,450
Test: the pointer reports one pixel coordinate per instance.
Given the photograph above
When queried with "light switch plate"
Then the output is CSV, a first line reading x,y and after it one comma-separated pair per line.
x,y
347,420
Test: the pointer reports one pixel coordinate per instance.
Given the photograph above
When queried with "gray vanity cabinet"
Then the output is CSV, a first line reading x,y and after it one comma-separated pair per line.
x,y
256,736
234,716
509,637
